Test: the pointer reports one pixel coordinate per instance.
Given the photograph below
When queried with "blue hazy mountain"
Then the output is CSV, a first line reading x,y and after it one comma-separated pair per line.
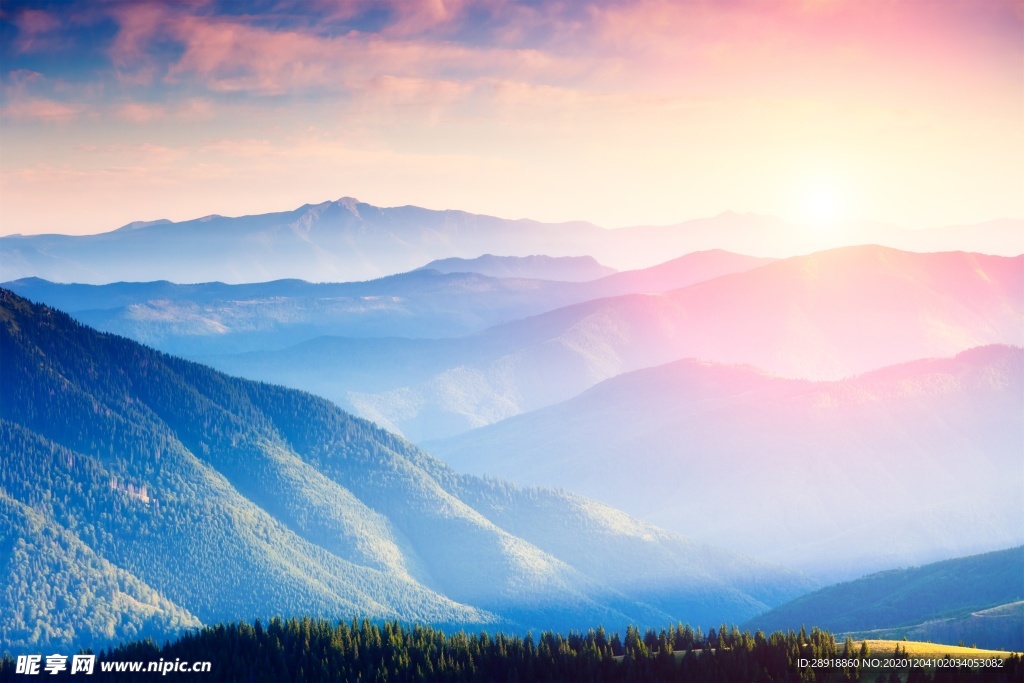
x,y
827,315
217,318
334,241
347,240
977,600
534,267
141,494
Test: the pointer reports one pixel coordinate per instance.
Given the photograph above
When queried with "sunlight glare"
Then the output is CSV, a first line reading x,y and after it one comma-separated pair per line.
x,y
823,204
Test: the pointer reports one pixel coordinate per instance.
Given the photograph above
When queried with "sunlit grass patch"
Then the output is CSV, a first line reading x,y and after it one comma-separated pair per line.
x,y
919,650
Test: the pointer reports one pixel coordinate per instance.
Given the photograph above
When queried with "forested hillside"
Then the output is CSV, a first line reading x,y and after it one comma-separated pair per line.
x,y
934,601
188,495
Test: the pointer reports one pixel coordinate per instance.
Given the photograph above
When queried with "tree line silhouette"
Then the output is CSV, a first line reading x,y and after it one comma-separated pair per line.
x,y
300,650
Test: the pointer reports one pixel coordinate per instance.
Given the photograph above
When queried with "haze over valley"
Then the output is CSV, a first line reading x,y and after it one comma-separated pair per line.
x,y
787,469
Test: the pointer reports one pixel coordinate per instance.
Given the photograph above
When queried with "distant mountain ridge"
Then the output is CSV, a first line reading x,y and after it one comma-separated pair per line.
x,y
217,318
348,240
538,267
335,241
175,494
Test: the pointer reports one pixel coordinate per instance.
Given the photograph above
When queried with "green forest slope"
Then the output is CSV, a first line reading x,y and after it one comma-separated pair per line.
x,y
211,498
967,598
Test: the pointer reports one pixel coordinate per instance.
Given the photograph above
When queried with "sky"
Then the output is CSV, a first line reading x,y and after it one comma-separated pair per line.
x,y
620,112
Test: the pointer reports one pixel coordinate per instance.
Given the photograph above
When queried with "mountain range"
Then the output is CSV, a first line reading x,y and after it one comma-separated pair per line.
x,y
824,316
348,240
830,402
142,494
216,318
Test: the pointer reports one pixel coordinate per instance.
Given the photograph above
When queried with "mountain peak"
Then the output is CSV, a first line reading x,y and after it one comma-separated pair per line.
x,y
350,203
136,225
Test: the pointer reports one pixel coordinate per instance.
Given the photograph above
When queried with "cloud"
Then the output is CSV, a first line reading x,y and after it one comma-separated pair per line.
x,y
242,54
236,148
49,111
195,109
327,48
138,27
291,45
38,31
140,113
19,79
684,105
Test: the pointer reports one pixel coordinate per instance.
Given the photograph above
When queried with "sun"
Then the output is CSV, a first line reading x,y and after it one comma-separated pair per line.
x,y
823,204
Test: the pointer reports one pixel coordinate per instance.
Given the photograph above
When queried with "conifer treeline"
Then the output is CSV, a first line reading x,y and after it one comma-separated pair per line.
x,y
319,650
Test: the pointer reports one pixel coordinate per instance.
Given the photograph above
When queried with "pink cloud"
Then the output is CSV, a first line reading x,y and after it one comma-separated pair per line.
x,y
149,154
239,147
138,25
140,113
143,153
417,16
601,44
820,48
701,46
38,31
44,110
409,17
232,55
195,109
